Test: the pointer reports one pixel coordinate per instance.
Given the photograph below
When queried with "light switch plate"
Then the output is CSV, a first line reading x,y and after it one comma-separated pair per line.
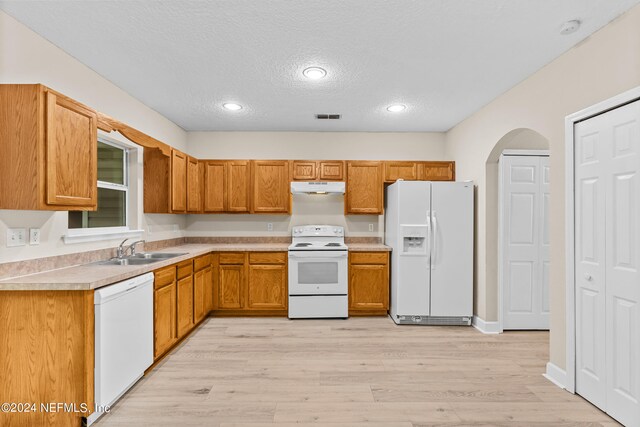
x,y
34,236
370,227
16,237
269,226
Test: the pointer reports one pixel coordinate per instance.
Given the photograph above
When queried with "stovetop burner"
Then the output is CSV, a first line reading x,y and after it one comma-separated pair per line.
x,y
333,244
302,245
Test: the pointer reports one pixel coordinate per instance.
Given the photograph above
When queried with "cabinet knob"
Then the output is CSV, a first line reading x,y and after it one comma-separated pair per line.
x,y
588,277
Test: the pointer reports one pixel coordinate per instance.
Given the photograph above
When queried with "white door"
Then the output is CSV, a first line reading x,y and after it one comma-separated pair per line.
x,y
607,192
525,241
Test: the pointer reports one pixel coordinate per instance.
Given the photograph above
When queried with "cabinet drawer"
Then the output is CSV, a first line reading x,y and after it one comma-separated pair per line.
x,y
185,268
201,262
369,258
232,258
163,277
267,257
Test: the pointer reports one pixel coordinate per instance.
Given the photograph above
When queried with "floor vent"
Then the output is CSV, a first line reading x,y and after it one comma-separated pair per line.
x,y
328,116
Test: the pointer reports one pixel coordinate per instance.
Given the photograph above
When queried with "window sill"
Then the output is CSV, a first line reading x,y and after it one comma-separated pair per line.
x,y
96,236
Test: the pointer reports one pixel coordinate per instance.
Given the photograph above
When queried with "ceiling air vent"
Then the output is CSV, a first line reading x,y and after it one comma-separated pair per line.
x,y
328,116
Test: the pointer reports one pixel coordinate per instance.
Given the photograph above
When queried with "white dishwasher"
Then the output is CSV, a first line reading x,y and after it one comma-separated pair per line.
x,y
123,338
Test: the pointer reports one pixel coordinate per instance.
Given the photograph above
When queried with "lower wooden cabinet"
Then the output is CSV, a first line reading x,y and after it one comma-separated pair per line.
x,y
251,283
185,305
164,311
202,287
368,283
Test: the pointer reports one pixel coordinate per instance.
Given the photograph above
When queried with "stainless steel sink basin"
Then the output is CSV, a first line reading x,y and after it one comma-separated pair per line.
x,y
157,255
129,261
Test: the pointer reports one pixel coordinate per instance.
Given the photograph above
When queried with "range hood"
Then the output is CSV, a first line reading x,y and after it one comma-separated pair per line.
x,y
317,188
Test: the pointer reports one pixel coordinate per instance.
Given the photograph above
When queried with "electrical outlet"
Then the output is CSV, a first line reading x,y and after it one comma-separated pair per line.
x,y
269,226
16,237
370,227
34,236
176,228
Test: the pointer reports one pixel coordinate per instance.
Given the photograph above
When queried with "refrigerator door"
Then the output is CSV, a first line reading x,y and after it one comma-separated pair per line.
x,y
452,249
411,269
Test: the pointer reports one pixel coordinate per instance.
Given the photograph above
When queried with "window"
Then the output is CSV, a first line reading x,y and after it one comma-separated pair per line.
x,y
113,192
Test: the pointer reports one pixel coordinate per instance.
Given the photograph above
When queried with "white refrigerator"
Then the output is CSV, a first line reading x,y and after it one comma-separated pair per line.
x,y
429,225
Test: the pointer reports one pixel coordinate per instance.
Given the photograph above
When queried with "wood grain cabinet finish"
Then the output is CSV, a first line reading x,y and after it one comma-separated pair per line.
x,y
194,185
215,200
364,194
438,171
238,186
317,170
270,182
49,150
331,170
178,181
303,170
231,283
202,287
157,181
267,284
185,305
164,311
368,283
393,171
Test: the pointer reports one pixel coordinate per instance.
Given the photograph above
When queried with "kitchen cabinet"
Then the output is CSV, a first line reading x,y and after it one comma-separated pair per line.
x,y
270,186
322,170
49,150
157,181
178,181
437,171
201,281
164,310
250,284
238,189
214,186
364,193
194,185
394,171
302,170
185,297
368,283
331,170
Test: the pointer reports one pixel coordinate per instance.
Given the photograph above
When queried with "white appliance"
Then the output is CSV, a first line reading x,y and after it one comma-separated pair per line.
x,y
318,277
123,338
317,187
429,225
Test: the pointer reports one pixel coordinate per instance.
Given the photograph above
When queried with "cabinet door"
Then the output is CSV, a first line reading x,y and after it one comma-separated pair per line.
x,y
438,171
178,181
214,186
331,171
164,323
364,188
185,305
267,287
71,153
394,171
368,287
230,285
270,186
304,171
208,289
194,185
238,178
198,296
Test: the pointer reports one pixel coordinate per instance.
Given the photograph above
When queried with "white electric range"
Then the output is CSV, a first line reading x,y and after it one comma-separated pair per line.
x,y
318,277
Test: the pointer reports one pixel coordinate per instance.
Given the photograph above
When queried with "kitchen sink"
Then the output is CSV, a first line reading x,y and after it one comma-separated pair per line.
x,y
157,255
129,261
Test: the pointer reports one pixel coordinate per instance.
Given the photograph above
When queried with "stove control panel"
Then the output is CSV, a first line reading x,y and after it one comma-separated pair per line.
x,y
318,231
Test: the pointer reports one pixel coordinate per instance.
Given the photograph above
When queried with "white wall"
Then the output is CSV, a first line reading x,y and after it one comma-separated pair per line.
x,y
306,146
25,57
605,64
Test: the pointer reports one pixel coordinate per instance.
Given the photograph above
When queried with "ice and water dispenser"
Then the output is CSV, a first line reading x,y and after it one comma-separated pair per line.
x,y
414,239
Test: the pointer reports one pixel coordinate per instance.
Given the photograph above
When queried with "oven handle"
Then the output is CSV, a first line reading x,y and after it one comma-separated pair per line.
x,y
323,255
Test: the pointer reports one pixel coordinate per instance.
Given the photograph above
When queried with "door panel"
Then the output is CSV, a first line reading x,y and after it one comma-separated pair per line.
x,y
214,186
230,286
267,287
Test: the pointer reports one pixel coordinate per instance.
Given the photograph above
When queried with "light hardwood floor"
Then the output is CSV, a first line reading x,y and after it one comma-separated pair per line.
x,y
253,372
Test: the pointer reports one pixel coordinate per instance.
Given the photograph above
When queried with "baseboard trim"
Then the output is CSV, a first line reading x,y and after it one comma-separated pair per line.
x,y
484,326
556,375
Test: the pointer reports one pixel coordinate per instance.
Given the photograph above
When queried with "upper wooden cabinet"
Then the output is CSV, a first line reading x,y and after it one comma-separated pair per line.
x,y
438,171
238,189
270,182
214,186
49,150
178,181
394,171
312,170
364,193
194,185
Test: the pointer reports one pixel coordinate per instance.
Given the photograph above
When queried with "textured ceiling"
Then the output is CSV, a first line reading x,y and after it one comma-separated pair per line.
x,y
444,59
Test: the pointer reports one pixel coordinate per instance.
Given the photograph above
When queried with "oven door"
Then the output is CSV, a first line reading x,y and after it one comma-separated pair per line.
x,y
318,272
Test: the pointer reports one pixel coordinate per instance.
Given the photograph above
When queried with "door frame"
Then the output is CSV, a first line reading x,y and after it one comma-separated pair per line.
x,y
501,287
624,98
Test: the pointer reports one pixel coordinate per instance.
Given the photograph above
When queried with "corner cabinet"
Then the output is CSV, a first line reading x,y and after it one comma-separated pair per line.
x,y
49,146
270,185
364,194
368,283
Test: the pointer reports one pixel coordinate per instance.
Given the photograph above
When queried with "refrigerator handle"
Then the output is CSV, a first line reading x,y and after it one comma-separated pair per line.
x,y
428,242
434,253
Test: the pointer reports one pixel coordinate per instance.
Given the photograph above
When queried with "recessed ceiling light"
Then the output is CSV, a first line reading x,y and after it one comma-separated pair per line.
x,y
314,73
232,106
396,108
570,27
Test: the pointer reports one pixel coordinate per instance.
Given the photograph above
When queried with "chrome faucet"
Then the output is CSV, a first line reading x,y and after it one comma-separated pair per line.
x,y
121,250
